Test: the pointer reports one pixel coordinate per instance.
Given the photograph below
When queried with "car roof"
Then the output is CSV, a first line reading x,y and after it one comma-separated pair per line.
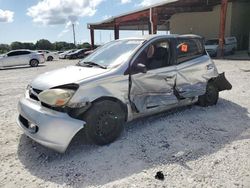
x,y
20,50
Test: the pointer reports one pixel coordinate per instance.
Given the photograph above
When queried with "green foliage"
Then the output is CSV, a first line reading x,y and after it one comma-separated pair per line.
x,y
84,45
16,45
42,44
63,46
4,48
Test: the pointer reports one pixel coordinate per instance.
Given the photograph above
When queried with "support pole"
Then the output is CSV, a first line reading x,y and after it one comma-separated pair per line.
x,y
74,35
223,16
116,31
153,19
92,38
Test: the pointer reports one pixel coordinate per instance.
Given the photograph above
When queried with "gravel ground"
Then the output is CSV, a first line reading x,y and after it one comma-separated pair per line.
x,y
193,147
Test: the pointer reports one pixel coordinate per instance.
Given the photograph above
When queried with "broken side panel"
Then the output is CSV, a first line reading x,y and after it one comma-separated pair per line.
x,y
153,89
193,76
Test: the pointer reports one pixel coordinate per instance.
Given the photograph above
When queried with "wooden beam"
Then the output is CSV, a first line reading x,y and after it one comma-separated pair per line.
x,y
155,21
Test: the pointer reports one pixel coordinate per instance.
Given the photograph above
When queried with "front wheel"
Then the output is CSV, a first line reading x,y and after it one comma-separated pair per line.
x,y
34,63
210,97
104,122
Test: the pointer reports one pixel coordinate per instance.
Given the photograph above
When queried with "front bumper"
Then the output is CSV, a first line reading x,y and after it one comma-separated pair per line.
x,y
54,130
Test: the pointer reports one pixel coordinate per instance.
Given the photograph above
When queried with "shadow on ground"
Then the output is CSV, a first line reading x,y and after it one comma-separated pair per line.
x,y
172,137
21,67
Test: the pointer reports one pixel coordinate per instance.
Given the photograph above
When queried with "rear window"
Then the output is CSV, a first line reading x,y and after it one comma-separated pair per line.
x,y
189,48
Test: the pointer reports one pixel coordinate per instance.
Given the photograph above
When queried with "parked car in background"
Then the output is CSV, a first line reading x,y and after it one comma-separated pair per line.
x,y
21,57
88,52
63,55
120,81
48,55
212,46
78,54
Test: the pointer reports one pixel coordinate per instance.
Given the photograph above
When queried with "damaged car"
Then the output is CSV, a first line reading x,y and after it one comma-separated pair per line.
x,y
122,80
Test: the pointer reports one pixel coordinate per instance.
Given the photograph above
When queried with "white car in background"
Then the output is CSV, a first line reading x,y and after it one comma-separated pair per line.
x,y
63,55
212,46
21,57
48,55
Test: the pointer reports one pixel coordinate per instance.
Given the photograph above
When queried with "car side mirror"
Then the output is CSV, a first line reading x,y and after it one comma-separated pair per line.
x,y
141,68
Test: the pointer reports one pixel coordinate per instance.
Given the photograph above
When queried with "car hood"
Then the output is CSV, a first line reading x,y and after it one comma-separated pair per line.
x,y
211,47
64,76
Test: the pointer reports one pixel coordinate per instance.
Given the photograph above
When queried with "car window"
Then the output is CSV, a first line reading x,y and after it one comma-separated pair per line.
x,y
24,52
12,54
155,55
188,49
113,53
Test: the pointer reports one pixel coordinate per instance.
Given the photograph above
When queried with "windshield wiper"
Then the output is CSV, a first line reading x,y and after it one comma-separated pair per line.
x,y
93,64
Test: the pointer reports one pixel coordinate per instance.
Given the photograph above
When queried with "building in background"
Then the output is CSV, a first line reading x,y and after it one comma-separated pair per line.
x,y
200,17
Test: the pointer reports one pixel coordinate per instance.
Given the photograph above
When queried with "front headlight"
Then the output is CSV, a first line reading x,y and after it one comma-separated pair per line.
x,y
56,97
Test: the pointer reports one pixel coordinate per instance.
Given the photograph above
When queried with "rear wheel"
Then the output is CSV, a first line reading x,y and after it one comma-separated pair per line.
x,y
104,122
50,58
210,97
34,63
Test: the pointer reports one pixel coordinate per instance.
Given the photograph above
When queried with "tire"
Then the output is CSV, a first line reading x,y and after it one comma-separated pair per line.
x,y
211,96
34,63
104,122
50,58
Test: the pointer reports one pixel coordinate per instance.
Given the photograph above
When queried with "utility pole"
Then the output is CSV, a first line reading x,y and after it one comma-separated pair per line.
x,y
74,35
223,16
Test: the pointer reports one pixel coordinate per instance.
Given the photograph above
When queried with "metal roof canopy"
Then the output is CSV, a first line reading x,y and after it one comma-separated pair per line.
x,y
156,17
140,19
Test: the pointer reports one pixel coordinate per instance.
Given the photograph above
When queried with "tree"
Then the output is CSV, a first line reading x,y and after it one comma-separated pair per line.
x,y
28,45
44,44
86,45
4,48
16,45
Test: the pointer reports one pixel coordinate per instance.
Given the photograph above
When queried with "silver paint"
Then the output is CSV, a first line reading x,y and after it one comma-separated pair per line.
x,y
151,92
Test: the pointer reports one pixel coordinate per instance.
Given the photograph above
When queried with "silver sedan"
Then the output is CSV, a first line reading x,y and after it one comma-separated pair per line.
x,y
21,57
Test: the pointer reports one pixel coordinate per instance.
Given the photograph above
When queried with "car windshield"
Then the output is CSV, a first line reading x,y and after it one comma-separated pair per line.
x,y
212,42
112,54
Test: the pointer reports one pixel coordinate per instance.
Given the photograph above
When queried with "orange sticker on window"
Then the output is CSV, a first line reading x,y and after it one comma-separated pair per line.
x,y
184,47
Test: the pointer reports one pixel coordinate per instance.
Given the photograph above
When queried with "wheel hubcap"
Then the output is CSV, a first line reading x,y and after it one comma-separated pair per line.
x,y
106,123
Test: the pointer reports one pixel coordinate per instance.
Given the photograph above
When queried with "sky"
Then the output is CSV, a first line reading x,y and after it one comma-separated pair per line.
x,y
31,20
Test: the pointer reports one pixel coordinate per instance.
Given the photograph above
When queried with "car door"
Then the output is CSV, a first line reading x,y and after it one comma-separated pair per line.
x,y
194,67
154,88
11,59
24,57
